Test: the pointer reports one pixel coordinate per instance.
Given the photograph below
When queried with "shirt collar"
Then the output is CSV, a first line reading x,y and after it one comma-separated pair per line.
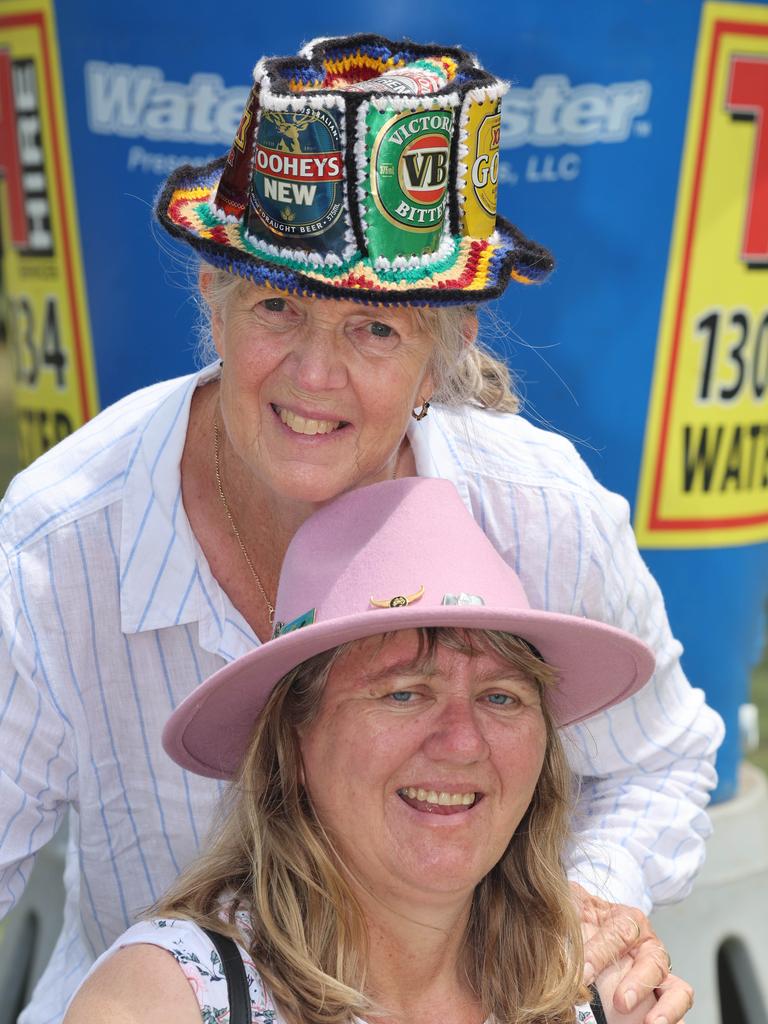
x,y
432,450
165,579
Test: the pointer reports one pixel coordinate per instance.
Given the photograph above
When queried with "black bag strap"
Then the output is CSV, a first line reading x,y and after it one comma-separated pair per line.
x,y
597,1005
234,972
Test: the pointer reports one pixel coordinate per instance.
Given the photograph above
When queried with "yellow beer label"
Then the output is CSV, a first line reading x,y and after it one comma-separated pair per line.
x,y
44,309
704,475
481,182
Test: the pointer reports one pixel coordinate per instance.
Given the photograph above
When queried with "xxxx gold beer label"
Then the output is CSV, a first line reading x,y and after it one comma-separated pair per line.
x,y
409,176
481,182
296,189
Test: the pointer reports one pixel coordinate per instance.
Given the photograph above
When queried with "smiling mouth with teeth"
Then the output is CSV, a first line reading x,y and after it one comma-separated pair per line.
x,y
303,425
432,802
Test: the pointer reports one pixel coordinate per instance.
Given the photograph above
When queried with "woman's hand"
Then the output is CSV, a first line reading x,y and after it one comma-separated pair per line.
x,y
621,946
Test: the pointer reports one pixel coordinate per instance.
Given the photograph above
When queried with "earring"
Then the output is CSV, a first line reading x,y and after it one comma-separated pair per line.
x,y
422,412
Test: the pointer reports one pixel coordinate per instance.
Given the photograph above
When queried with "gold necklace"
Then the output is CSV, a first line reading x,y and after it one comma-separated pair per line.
x,y
225,503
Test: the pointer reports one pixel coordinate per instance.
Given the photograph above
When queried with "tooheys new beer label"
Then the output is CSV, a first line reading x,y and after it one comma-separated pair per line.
x,y
481,182
296,194
409,175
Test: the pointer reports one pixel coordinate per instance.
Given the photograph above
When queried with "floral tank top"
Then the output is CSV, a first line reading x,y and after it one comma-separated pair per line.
x,y
198,959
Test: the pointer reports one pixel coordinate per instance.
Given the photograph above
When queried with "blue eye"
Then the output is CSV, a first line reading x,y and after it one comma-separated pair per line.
x,y
500,699
401,696
380,330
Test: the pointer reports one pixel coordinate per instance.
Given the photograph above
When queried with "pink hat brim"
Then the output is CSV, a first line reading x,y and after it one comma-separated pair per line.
x,y
598,666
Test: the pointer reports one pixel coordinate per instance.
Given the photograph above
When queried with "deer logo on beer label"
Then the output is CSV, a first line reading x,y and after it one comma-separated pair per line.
x,y
297,175
410,166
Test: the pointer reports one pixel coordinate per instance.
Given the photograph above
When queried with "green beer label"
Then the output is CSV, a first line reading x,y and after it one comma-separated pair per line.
x,y
409,178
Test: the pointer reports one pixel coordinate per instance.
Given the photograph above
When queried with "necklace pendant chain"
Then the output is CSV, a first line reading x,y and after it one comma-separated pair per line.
x,y
233,524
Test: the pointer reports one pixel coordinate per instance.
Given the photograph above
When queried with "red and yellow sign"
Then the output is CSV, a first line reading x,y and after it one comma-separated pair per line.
x,y
704,478
41,270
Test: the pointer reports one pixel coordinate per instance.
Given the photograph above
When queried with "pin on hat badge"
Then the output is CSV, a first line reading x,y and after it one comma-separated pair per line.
x,y
400,601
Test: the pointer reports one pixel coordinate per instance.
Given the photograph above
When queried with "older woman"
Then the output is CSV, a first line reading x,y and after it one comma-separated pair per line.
x,y
345,243
393,844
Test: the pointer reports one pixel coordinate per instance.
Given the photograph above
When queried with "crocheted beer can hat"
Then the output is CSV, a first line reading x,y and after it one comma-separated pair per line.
x,y
362,169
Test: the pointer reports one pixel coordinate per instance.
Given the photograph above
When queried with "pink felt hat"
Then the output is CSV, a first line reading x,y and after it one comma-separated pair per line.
x,y
397,555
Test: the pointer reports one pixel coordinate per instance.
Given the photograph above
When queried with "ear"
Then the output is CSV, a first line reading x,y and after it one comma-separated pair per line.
x,y
470,326
205,284
426,389
204,278
469,330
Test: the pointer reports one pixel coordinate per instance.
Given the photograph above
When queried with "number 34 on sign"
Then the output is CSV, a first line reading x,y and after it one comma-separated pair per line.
x,y
44,313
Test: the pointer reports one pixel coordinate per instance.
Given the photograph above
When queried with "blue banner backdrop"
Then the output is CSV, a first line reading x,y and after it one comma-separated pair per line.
x,y
592,139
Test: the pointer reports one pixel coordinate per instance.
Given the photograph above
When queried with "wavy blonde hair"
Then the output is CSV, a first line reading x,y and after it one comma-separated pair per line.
x,y
270,856
464,373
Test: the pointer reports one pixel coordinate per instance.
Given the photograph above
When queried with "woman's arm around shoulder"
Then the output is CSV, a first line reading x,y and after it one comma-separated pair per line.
x,y
139,984
647,764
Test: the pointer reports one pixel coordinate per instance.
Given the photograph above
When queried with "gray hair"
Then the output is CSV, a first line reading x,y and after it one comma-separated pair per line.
x,y
465,374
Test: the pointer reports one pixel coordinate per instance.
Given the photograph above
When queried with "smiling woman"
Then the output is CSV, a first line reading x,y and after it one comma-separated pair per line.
x,y
316,396
393,841
464,371
313,398
390,723
345,242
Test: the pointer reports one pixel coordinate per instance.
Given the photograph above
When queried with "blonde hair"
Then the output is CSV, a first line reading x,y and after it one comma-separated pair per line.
x,y
465,373
270,856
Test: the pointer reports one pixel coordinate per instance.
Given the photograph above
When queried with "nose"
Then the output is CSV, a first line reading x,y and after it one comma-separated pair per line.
x,y
316,361
457,736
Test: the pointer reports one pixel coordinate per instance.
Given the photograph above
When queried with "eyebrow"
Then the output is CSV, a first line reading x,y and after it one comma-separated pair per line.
x,y
421,667
418,667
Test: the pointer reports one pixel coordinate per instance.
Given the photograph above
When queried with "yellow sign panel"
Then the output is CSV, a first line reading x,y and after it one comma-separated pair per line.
x,y
704,477
41,271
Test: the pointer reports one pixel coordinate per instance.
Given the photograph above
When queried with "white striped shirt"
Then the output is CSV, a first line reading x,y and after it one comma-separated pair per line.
x,y
109,616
